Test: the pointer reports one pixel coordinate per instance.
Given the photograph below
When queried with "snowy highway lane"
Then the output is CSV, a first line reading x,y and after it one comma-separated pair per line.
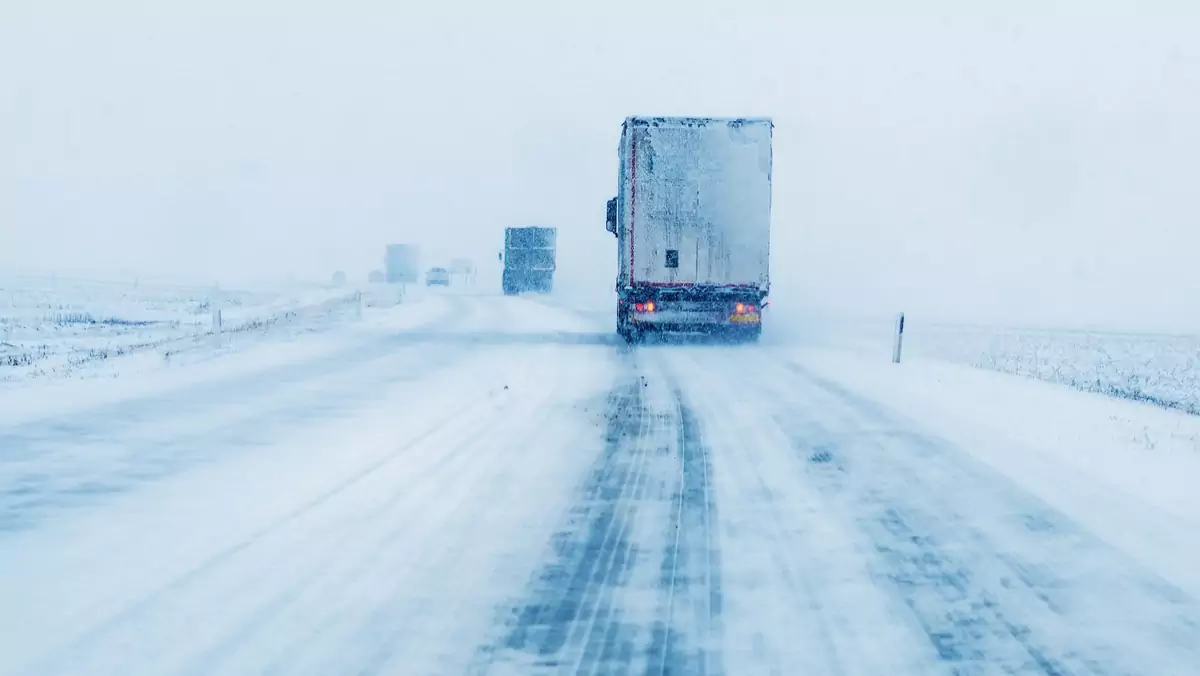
x,y
513,492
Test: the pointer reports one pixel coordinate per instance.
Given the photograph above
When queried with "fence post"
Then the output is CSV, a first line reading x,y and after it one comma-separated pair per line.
x,y
216,315
899,339
358,305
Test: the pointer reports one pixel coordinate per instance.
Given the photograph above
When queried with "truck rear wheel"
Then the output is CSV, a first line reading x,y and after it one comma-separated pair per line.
x,y
630,333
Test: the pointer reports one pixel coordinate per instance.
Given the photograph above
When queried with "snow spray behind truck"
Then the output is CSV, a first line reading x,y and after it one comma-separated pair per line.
x,y
692,217
529,259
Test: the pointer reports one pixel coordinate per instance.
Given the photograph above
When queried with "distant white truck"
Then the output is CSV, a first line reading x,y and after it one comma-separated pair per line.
x,y
692,217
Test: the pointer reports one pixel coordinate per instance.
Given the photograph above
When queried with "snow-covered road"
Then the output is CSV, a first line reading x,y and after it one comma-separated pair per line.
x,y
505,489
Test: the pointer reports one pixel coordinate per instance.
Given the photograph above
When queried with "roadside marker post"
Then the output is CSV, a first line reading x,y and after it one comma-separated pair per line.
x,y
216,314
899,339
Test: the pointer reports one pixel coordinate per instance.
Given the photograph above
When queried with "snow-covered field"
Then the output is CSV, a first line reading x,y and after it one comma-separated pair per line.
x,y
53,328
1160,369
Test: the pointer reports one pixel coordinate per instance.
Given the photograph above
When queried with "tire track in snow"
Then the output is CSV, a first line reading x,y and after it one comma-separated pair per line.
x,y
964,621
688,585
760,524
593,538
600,636
476,590
652,480
907,493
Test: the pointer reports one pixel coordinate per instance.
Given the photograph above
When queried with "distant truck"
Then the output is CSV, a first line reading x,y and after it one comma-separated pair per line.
x,y
529,259
402,264
692,217
437,277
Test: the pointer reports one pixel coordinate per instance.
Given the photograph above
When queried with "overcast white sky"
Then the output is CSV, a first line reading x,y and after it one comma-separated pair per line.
x,y
1036,161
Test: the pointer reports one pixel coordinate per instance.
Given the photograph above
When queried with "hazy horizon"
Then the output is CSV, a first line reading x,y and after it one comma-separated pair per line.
x,y
1030,162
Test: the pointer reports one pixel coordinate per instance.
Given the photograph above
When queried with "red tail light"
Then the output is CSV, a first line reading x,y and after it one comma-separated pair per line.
x,y
749,308
640,307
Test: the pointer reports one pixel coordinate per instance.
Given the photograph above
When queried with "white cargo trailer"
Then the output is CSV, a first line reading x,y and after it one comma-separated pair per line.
x,y
692,217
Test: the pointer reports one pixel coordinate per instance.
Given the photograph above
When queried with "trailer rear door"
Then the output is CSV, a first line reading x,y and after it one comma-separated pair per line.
x,y
699,201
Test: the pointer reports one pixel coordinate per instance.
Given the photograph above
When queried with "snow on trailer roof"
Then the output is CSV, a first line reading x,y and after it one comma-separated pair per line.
x,y
669,121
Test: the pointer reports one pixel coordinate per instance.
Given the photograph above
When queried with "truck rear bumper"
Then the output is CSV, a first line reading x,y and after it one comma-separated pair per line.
x,y
690,309
692,321
665,327
659,316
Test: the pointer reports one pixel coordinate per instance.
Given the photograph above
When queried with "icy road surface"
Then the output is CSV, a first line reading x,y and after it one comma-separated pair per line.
x,y
510,491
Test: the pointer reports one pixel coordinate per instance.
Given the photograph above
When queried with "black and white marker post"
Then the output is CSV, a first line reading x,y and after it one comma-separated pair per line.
x,y
216,314
216,324
899,340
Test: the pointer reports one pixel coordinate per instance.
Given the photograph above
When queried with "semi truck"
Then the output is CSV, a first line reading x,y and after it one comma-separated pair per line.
x,y
692,218
402,264
529,259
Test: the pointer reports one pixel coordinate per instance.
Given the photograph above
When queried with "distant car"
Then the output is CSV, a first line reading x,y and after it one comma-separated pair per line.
x,y
438,277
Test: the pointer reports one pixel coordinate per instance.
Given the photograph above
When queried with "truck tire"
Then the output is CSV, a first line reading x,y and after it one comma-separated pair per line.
x,y
627,333
631,334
